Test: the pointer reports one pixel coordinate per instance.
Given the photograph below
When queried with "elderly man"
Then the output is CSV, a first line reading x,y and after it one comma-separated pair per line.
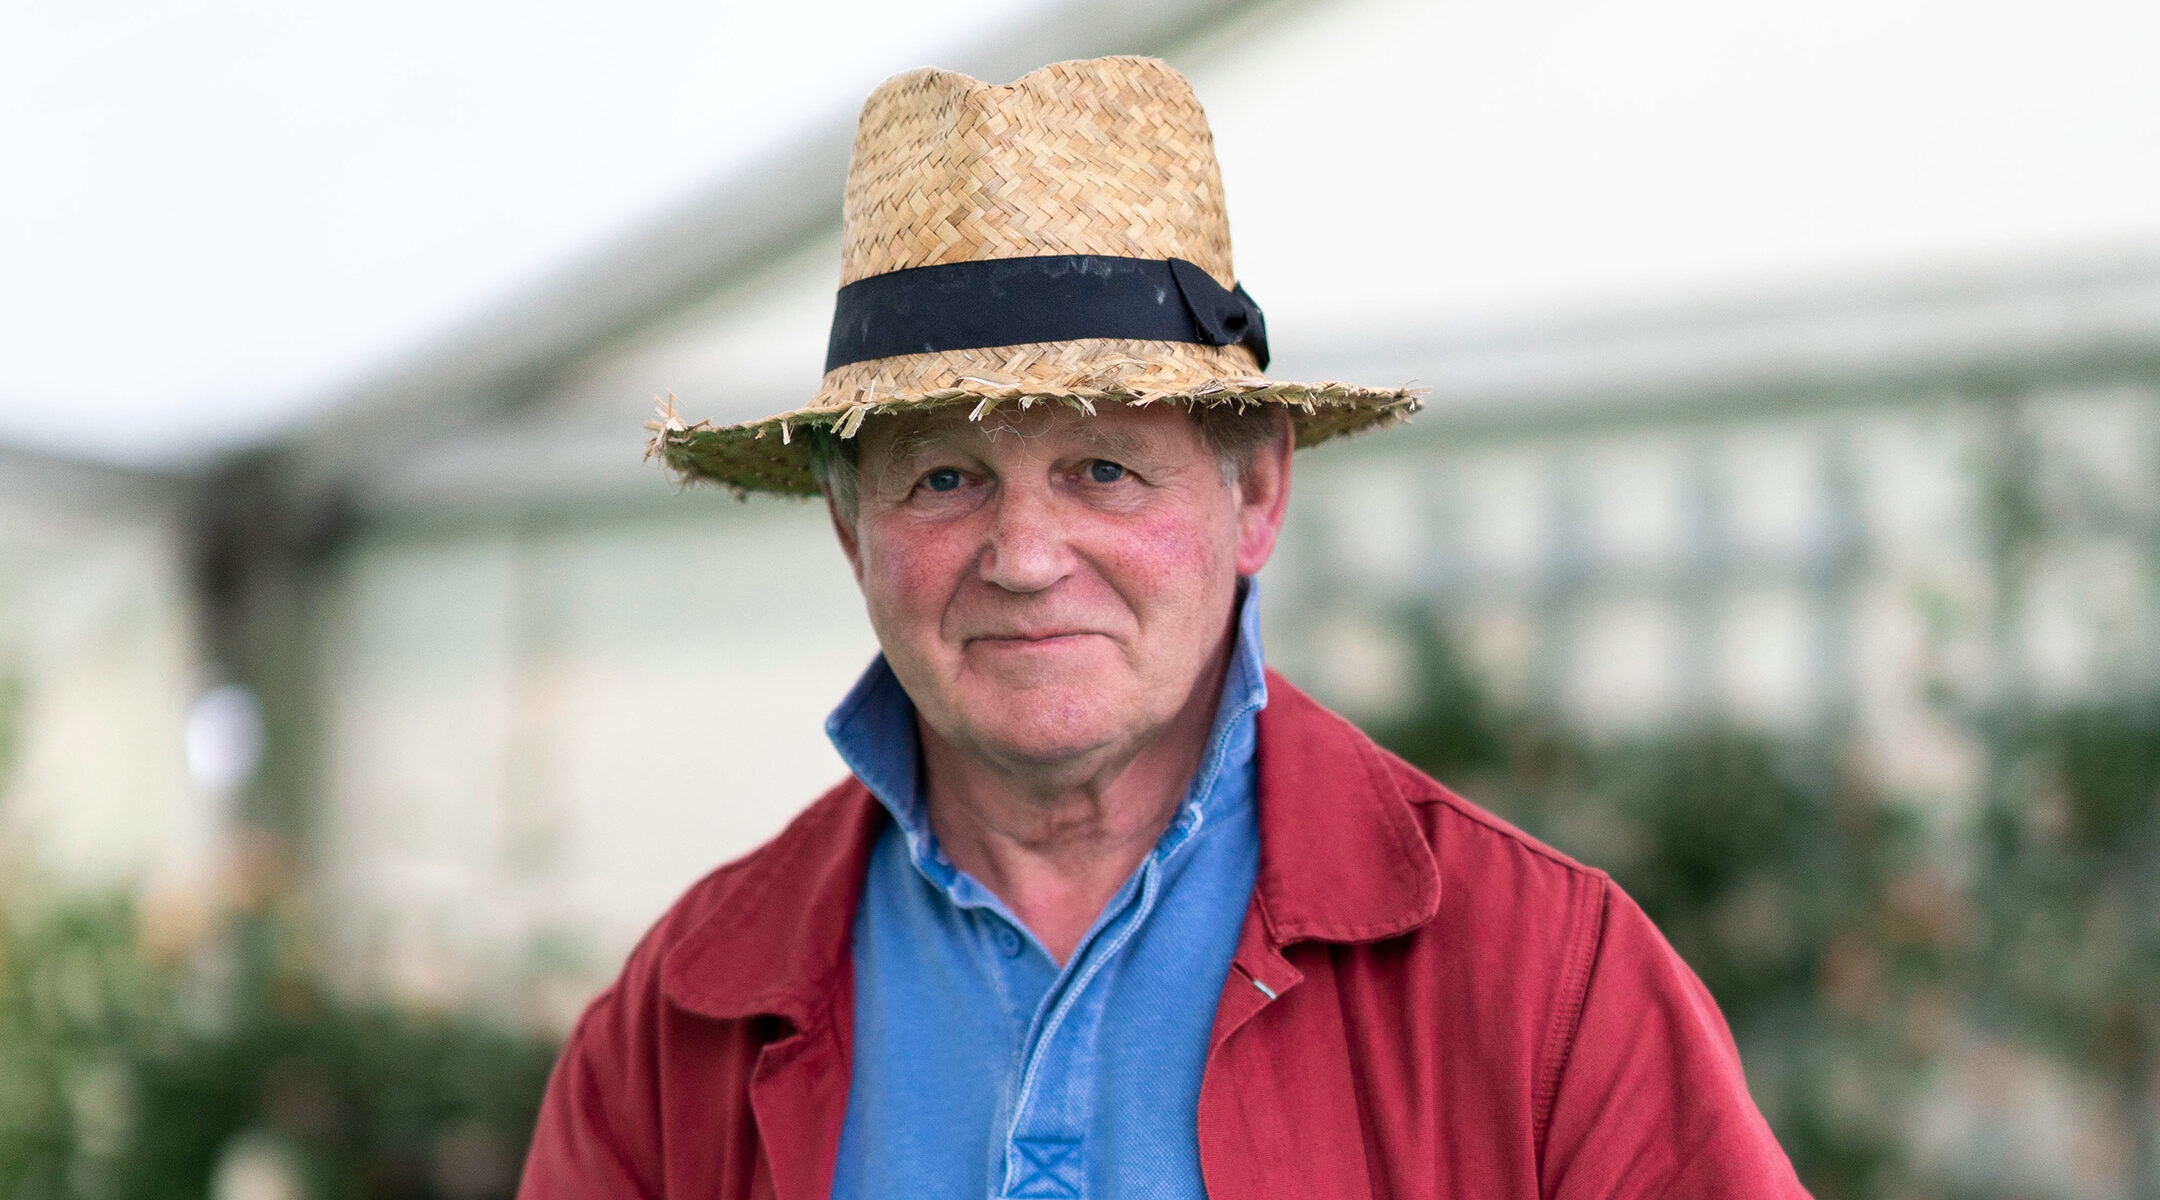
x,y
1106,909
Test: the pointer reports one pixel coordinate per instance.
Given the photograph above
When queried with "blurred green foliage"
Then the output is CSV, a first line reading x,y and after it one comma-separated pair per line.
x,y
1844,940
134,1068
123,1077
1801,896
2072,906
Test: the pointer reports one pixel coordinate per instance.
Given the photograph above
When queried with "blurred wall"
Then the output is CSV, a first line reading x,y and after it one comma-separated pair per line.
x,y
98,668
539,732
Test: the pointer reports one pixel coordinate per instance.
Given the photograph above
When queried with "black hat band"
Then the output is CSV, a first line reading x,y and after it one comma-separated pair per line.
x,y
1049,298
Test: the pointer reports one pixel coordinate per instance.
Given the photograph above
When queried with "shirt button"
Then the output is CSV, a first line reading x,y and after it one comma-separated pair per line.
x,y
1008,941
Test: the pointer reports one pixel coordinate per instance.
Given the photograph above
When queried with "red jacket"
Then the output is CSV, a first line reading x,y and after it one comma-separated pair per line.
x,y
1424,1003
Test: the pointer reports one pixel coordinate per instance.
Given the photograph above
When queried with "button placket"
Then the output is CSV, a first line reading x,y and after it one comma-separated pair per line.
x,y
1044,1106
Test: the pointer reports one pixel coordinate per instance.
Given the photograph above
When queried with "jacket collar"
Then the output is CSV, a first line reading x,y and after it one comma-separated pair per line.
x,y
1342,859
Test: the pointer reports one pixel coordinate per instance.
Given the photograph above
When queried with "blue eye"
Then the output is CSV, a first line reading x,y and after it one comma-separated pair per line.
x,y
944,479
1102,470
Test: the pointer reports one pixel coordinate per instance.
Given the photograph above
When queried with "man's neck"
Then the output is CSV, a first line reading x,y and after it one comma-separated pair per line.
x,y
1056,842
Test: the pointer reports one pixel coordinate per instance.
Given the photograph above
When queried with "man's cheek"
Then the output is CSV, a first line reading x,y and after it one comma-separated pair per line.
x,y
1168,554
911,580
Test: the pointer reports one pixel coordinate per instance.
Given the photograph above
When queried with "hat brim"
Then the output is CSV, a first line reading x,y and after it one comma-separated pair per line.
x,y
770,455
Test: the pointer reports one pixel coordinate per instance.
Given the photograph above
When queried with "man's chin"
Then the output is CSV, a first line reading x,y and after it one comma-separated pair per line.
x,y
1023,732
1048,752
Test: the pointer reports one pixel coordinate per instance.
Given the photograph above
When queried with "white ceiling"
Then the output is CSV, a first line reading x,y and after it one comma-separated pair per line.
x,y
1400,162
227,213
211,212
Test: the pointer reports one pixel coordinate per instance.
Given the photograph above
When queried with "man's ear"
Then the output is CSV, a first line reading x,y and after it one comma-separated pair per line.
x,y
844,529
1264,496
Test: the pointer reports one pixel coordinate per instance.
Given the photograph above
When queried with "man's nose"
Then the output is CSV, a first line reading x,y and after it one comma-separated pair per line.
x,y
1026,550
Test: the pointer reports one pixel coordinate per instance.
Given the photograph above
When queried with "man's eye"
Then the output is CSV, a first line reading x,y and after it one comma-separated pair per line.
x,y
944,479
1102,470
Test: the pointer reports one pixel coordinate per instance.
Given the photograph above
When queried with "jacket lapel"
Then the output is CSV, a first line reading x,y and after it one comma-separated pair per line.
x,y
1342,860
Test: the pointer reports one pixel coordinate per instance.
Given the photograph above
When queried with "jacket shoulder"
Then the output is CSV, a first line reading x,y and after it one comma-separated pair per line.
x,y
1458,832
1503,886
1479,880
1449,817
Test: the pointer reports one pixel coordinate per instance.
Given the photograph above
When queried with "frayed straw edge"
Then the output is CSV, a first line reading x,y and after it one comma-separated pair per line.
x,y
671,432
668,428
846,418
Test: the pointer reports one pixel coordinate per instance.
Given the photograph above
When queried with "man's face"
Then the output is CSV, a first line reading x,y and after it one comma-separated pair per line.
x,y
1049,586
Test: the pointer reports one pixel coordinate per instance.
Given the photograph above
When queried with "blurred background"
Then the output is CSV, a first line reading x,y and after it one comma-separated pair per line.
x,y
1782,532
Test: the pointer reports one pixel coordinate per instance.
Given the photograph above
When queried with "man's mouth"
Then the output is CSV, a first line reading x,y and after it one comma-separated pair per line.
x,y
1048,637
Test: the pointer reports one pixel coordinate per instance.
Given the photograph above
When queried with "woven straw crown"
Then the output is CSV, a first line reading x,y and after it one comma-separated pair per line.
x,y
1108,156
1104,157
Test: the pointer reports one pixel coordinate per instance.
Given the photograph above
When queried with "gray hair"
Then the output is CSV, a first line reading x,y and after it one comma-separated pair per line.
x,y
1235,434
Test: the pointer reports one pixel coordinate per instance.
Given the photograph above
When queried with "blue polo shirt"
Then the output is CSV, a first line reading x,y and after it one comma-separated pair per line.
x,y
982,1068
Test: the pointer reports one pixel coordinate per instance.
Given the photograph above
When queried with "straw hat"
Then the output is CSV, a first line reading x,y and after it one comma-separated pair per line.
x,y
1059,238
